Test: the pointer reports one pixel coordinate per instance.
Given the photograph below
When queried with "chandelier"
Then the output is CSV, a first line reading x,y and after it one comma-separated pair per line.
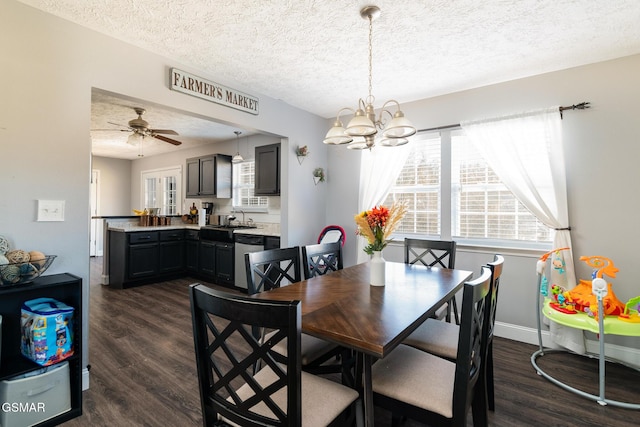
x,y
362,129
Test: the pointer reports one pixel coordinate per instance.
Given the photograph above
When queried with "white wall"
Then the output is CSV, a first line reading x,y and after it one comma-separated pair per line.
x,y
602,147
115,186
49,67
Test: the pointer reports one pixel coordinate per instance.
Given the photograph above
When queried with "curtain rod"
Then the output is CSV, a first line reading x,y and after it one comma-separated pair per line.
x,y
579,106
440,128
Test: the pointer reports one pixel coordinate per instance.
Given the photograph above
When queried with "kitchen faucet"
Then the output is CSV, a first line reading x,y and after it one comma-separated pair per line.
x,y
242,212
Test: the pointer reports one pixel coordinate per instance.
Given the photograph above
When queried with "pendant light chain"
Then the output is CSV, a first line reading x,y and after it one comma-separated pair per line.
x,y
363,127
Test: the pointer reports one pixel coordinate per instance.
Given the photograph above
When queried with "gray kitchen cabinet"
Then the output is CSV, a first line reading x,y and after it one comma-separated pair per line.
x,y
144,256
171,251
271,242
207,267
209,176
192,251
267,175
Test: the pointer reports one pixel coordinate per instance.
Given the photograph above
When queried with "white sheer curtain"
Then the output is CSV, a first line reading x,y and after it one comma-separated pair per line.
x,y
525,151
379,170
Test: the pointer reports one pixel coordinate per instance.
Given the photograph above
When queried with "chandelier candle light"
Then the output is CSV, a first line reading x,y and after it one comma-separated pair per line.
x,y
362,128
377,225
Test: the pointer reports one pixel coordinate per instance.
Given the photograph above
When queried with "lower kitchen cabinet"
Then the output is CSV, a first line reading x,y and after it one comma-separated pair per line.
x,y
141,257
143,260
171,251
192,251
207,260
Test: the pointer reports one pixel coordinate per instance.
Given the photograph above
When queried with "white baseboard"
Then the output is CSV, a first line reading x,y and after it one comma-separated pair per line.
x,y
85,379
628,356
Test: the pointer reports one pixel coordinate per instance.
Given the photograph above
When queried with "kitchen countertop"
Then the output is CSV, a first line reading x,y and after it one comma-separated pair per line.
x,y
130,227
272,230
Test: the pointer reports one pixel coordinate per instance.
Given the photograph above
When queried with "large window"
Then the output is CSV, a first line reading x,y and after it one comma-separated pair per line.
x,y
451,192
419,187
162,189
243,186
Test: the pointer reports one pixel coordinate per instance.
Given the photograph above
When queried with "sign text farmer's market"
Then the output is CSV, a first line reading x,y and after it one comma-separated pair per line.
x,y
191,85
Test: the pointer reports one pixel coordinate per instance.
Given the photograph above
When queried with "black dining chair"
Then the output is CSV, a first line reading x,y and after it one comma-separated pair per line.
x,y
436,391
271,269
441,338
279,394
434,253
321,259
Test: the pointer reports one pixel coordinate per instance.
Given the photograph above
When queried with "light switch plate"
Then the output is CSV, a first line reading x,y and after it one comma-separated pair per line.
x,y
50,210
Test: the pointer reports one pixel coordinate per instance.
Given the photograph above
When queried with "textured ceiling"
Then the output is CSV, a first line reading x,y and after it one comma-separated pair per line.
x,y
313,54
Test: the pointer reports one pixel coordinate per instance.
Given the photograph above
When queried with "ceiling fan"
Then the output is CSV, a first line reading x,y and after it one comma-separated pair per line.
x,y
141,128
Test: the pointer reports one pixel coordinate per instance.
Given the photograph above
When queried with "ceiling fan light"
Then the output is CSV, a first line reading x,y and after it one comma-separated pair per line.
x,y
135,139
337,135
399,127
360,125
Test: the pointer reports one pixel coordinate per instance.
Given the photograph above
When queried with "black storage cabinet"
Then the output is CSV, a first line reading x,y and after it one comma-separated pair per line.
x,y
66,288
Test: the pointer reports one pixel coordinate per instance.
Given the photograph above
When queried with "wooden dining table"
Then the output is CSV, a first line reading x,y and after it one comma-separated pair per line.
x,y
343,308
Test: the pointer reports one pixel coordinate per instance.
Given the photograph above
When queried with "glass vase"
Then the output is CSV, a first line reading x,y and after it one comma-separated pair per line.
x,y
377,269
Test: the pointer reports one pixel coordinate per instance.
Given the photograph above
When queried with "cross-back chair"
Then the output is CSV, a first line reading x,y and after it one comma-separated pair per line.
x,y
226,352
320,259
434,253
441,338
419,385
271,269
496,272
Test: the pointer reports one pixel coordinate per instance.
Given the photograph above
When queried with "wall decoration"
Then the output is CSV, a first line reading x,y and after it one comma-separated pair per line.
x,y
318,175
302,152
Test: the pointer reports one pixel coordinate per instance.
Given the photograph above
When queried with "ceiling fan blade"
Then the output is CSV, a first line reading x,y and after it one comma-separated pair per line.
x,y
164,131
119,125
165,139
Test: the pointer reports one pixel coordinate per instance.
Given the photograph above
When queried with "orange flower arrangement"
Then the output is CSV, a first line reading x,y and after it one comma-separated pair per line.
x,y
377,224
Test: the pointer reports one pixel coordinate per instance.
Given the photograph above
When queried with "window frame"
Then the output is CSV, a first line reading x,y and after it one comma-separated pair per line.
x,y
239,186
447,210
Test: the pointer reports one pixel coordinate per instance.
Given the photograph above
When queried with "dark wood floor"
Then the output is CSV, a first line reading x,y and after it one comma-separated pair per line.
x,y
143,370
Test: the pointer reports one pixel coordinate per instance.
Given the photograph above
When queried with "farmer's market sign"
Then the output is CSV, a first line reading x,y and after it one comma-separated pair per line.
x,y
191,85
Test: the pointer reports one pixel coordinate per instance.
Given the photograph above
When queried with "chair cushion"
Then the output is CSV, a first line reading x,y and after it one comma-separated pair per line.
x,y
322,399
420,379
436,337
311,348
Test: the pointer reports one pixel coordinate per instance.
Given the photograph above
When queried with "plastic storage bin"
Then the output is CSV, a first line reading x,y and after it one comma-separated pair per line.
x,y
35,397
